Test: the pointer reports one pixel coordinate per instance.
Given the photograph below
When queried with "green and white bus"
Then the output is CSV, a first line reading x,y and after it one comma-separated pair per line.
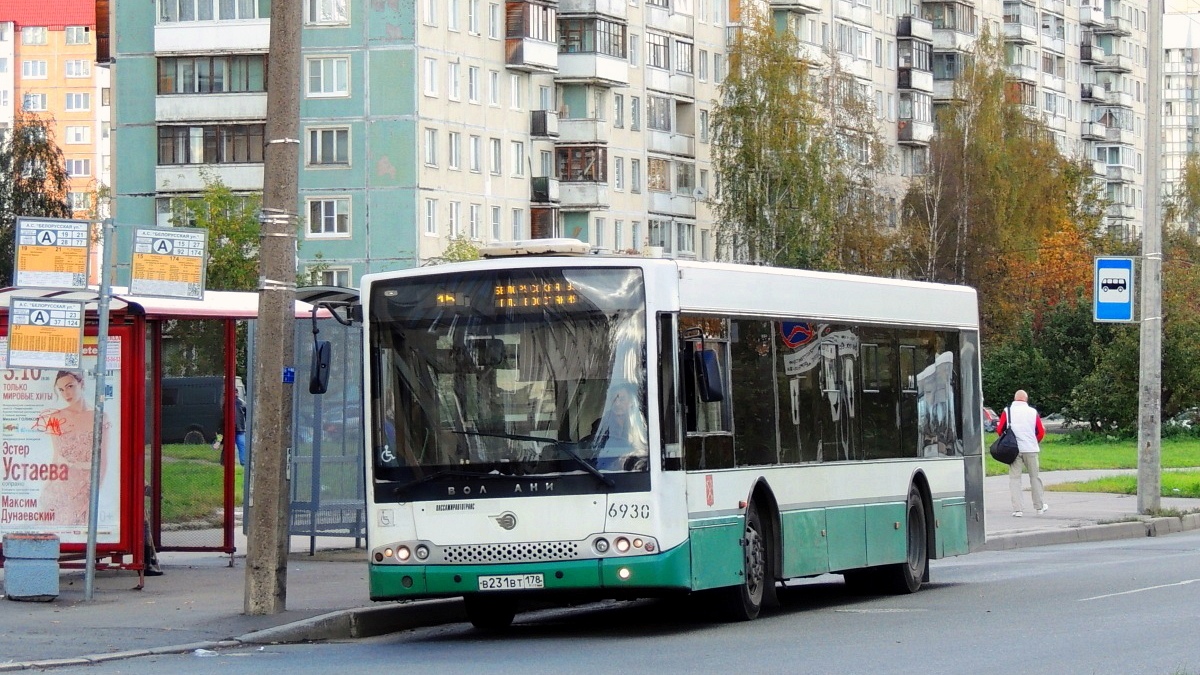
x,y
545,427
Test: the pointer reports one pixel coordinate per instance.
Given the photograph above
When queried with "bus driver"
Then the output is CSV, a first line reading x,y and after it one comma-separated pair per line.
x,y
619,435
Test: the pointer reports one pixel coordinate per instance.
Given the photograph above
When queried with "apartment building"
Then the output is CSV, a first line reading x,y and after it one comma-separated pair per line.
x,y
47,67
1181,98
491,120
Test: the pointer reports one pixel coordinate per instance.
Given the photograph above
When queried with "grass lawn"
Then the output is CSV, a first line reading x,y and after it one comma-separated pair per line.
x,y
1059,454
193,486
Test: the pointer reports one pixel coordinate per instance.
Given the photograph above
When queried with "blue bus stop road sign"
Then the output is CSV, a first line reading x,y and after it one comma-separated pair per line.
x,y
1113,294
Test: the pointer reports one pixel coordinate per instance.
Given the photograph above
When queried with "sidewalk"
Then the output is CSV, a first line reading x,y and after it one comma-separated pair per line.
x,y
198,602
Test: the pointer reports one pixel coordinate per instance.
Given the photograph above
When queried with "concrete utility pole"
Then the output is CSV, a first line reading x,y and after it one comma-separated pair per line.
x,y
1150,384
266,559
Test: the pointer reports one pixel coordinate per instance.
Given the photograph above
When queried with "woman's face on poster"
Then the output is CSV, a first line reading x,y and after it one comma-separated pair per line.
x,y
69,388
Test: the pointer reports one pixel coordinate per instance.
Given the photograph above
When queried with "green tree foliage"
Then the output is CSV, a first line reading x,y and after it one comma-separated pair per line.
x,y
458,249
1183,207
797,154
33,180
997,186
233,232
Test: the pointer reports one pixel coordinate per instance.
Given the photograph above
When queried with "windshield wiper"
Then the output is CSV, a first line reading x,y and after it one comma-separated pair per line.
x,y
565,446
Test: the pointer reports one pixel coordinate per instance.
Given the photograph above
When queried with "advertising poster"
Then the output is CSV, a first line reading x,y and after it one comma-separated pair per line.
x,y
46,424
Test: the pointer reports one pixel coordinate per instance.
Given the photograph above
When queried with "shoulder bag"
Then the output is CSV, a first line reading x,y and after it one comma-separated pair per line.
x,y
1004,449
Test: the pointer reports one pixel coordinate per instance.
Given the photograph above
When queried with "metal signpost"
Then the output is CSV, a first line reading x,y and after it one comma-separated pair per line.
x,y
169,262
1113,294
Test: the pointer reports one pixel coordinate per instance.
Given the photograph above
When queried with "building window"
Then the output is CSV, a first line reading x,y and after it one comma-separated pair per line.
x,y
497,160
332,276
474,221
635,113
658,233
328,76
658,51
703,126
618,110
619,173
78,35
493,88
496,223
79,201
452,15
494,21
703,66
635,234
518,224
683,57
33,69
619,235
474,154
78,68
329,146
329,217
79,135
210,144
473,84
635,175
170,11
453,82
324,12
431,88
518,158
33,35
431,224
685,237
473,17
587,164
599,238
431,149
658,113
515,87
591,36
658,175
79,167
212,74
633,49
453,140
455,221
79,101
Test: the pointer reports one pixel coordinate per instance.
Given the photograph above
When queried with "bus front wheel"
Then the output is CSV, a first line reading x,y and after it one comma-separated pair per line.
x,y
490,613
744,601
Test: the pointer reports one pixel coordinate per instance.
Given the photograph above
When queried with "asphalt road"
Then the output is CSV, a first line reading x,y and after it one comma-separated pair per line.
x,y
1120,607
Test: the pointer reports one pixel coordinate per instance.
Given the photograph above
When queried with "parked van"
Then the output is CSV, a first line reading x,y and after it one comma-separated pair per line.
x,y
191,408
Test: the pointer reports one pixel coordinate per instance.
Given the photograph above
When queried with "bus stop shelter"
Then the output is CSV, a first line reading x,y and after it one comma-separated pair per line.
x,y
42,437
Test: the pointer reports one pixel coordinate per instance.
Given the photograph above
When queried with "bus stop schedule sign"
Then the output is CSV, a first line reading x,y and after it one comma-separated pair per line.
x,y
52,253
1113,290
169,262
45,334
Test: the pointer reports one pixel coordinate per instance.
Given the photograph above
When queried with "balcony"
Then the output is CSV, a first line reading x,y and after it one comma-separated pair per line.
x,y
812,54
672,204
798,6
1120,212
911,78
1054,83
859,68
544,190
530,55
1091,54
212,36
909,132
592,7
1020,33
663,18
583,196
190,107
915,27
543,124
1119,135
1054,44
670,143
577,131
1115,63
1120,98
1056,6
943,91
1094,93
1119,174
592,68
1099,168
1091,16
946,40
1055,123
194,177
1093,131
680,84
1114,25
1023,73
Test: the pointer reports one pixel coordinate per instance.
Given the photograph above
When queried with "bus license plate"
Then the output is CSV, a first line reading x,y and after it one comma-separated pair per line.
x,y
511,582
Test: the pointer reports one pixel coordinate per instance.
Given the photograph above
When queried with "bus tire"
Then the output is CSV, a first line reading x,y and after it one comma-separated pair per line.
x,y
744,601
490,613
906,577
194,436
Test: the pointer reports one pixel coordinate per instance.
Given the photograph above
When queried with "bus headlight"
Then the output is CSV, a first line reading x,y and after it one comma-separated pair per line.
x,y
622,544
402,554
422,552
601,545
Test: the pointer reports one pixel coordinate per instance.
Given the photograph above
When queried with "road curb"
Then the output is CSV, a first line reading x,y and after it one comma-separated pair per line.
x,y
362,622
1150,527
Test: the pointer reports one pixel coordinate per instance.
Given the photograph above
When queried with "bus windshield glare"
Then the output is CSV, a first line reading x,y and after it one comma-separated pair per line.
x,y
509,372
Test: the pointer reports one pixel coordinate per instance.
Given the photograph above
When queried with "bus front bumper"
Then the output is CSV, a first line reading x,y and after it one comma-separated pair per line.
x,y
670,570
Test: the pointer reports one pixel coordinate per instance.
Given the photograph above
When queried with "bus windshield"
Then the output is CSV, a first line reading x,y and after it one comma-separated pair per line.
x,y
509,372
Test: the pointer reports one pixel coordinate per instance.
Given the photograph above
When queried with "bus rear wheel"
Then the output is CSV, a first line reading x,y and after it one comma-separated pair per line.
x,y
744,601
906,577
490,613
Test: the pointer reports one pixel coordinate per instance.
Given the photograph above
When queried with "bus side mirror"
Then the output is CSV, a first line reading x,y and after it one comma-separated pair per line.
x,y
318,379
708,376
